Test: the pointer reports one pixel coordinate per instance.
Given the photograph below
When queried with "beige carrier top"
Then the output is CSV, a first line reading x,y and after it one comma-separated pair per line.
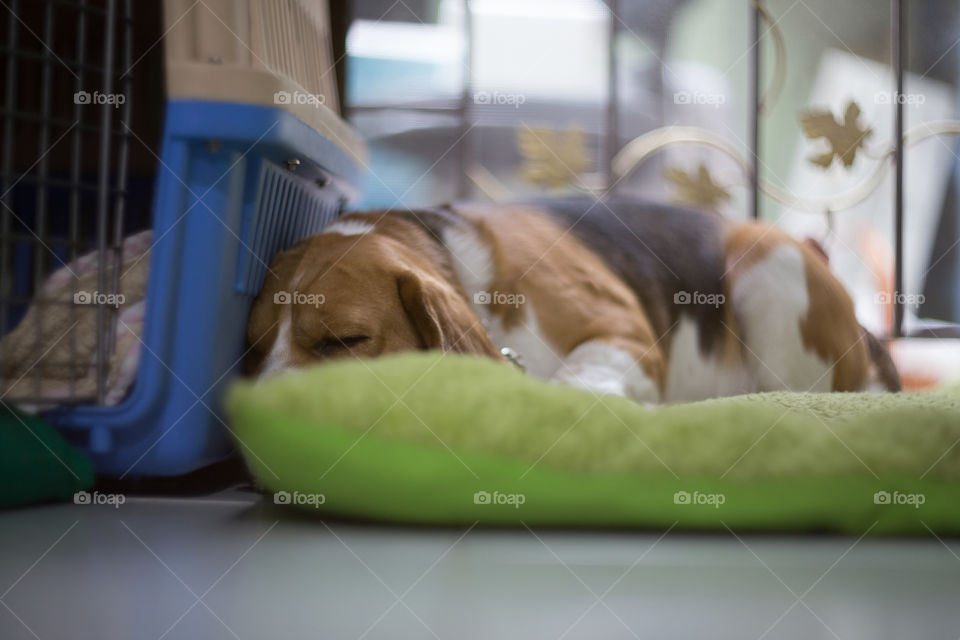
x,y
266,52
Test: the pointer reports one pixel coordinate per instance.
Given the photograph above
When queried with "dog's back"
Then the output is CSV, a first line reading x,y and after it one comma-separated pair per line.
x,y
665,252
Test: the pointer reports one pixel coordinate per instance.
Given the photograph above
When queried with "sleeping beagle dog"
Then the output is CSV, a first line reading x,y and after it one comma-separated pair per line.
x,y
653,302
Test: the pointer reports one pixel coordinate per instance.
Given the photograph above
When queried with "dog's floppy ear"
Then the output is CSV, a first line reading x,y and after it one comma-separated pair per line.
x,y
442,317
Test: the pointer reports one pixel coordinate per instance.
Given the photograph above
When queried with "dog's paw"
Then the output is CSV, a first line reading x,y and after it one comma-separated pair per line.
x,y
599,380
605,369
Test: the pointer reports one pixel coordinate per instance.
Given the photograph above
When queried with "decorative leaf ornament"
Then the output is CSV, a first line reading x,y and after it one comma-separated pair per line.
x,y
844,138
552,158
697,188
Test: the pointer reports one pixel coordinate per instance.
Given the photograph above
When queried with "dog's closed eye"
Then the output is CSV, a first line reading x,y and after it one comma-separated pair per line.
x,y
333,345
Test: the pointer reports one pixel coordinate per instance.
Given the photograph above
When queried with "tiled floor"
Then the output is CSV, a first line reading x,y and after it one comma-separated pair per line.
x,y
232,566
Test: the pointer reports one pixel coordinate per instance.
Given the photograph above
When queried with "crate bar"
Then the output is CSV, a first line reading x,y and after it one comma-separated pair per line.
x,y
612,140
899,32
80,4
76,143
452,110
38,118
43,147
39,299
466,97
76,157
103,198
39,55
121,183
7,166
754,124
57,182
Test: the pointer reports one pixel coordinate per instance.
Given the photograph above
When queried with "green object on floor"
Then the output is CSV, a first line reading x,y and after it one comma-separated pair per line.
x,y
441,438
36,463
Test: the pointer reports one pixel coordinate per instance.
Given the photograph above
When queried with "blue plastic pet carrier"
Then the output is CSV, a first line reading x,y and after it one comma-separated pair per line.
x,y
228,150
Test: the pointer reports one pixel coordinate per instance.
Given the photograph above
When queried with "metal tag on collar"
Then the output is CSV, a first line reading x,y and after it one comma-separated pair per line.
x,y
513,357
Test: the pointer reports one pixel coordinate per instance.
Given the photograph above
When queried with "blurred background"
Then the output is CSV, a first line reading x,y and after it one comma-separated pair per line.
x,y
504,99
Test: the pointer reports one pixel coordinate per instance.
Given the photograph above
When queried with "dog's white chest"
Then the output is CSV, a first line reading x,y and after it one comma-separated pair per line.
x,y
473,263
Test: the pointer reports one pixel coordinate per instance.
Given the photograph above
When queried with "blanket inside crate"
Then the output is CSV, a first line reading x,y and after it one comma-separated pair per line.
x,y
442,439
51,356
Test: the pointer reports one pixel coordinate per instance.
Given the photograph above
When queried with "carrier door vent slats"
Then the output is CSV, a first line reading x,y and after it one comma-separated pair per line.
x,y
286,209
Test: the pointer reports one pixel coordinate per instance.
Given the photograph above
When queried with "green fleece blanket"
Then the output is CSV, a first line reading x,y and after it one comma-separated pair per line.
x,y
434,438
36,463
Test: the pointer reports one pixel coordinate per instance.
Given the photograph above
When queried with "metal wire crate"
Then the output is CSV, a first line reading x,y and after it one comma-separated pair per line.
x,y
65,167
122,117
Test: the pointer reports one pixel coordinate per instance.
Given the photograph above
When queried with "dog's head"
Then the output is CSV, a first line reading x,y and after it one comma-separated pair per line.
x,y
359,289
